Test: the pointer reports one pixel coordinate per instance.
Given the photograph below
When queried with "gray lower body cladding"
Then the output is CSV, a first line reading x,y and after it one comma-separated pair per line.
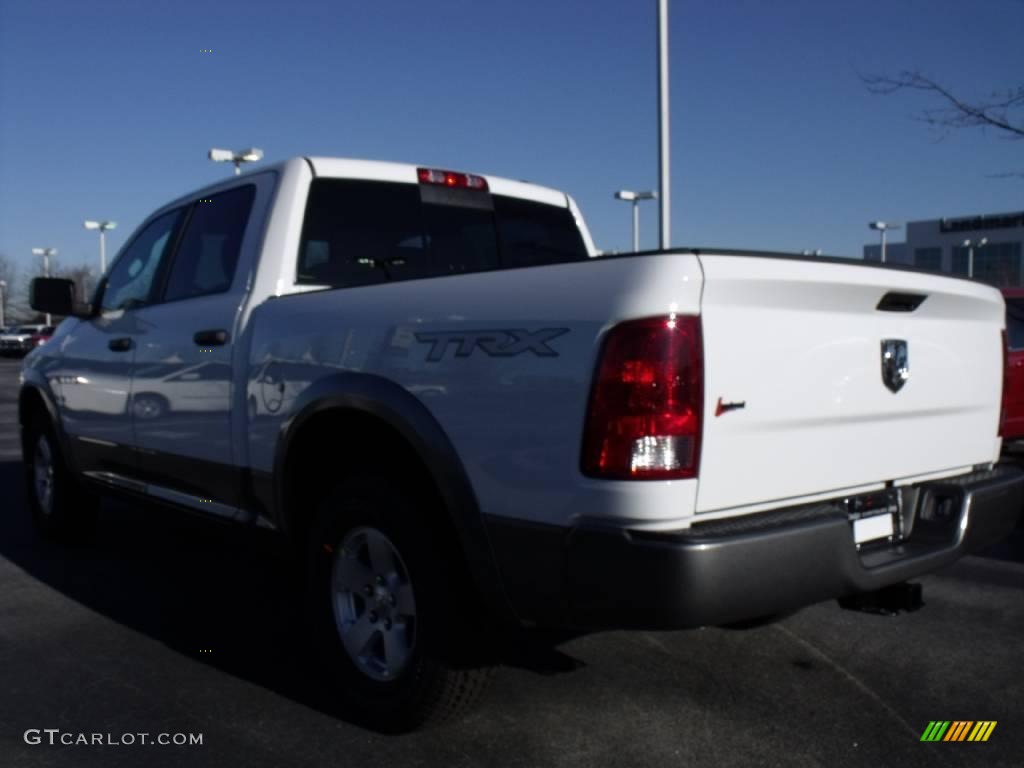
x,y
595,576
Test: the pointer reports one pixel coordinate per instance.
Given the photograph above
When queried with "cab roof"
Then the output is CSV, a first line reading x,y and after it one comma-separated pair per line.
x,y
349,168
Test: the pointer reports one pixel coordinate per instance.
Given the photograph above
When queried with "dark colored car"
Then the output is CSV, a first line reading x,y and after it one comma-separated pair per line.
x,y
1014,425
23,339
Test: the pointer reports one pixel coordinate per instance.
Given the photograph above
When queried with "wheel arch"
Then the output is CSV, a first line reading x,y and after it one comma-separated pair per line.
x,y
35,398
393,414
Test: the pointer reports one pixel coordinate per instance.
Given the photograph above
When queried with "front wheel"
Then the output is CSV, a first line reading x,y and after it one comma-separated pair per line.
x,y
60,507
392,612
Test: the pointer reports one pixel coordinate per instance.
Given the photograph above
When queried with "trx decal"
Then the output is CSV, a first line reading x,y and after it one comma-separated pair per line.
x,y
500,343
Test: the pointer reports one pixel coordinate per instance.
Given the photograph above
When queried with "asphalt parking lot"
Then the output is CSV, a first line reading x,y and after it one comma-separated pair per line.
x,y
172,625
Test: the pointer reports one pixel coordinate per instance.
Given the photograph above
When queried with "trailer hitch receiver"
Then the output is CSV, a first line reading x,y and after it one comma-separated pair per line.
x,y
887,601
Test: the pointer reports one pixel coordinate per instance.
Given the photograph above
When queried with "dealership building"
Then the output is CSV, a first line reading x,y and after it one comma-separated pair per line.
x,y
946,245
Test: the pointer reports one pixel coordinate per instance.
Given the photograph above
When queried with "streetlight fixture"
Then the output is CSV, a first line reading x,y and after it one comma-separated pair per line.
x,y
883,227
3,287
250,155
635,198
46,253
102,226
970,245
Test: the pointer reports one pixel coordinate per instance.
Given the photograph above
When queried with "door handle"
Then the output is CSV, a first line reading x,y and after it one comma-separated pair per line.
x,y
120,345
211,338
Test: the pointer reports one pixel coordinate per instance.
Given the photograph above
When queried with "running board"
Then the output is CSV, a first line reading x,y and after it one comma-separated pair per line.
x,y
208,506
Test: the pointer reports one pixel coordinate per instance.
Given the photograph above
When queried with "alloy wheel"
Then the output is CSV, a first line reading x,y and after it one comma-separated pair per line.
x,y
374,607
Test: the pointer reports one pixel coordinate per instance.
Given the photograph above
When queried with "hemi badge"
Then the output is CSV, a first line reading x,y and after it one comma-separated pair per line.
x,y
722,407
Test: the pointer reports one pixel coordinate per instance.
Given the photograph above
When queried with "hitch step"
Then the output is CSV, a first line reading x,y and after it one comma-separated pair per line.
x,y
887,601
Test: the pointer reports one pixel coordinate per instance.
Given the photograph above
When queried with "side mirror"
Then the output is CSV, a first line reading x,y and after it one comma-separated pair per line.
x,y
56,296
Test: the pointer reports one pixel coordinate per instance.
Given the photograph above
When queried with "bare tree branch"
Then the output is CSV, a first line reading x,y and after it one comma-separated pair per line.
x,y
998,111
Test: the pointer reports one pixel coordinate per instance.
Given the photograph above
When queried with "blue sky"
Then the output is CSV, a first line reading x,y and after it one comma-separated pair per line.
x,y
107,108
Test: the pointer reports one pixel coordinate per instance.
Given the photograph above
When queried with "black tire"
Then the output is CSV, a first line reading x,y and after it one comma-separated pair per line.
x,y
450,663
68,512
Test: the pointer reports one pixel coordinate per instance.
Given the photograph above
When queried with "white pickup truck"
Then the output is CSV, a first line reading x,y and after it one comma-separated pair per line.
x,y
466,419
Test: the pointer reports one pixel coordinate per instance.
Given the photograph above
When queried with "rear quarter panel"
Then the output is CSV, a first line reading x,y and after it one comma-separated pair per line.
x,y
516,421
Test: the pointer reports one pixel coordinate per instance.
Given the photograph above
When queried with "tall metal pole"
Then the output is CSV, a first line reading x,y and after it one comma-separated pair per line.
x,y
636,226
883,245
664,208
46,273
3,284
970,245
103,253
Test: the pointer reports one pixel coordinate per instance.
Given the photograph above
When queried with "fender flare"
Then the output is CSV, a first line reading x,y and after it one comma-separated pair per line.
x,y
34,383
394,405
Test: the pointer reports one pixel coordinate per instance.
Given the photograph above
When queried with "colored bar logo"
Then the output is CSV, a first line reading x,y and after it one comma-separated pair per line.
x,y
959,730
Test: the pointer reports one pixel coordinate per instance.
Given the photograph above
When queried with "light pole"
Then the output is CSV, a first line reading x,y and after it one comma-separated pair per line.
x,y
46,253
102,226
970,246
635,198
883,227
250,155
664,229
3,287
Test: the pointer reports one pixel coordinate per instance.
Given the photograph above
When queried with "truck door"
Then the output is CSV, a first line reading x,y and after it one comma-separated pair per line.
x,y
182,389
97,355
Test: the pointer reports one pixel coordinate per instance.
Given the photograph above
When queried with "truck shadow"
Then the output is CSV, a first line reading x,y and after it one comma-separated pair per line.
x,y
188,583
194,584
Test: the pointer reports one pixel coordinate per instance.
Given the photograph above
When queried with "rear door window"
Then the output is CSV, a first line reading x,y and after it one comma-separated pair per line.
x,y
206,259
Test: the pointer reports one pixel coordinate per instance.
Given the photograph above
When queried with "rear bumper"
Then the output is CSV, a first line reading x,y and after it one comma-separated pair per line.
x,y
595,576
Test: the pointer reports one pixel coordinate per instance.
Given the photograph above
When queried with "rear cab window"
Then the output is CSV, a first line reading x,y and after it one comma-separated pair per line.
x,y
360,232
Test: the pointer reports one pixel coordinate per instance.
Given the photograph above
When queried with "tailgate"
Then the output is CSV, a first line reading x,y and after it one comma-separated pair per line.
x,y
801,344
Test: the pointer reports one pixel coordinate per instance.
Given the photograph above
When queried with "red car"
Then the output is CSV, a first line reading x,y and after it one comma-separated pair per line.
x,y
42,336
1014,425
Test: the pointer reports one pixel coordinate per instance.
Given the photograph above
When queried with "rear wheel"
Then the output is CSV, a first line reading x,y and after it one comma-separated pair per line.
x,y
60,507
393,615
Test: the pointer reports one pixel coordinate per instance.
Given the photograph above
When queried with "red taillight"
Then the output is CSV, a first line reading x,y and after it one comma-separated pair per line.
x,y
1006,391
645,414
451,179
38,340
